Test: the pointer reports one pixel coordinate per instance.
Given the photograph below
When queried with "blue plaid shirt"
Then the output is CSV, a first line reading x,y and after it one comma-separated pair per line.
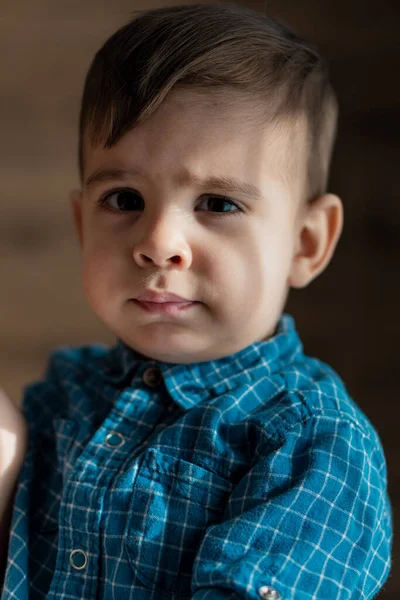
x,y
251,476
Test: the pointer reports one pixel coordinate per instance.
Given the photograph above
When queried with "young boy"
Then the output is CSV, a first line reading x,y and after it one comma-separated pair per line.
x,y
204,456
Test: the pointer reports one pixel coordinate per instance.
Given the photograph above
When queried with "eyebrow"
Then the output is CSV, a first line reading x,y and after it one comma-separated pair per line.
x,y
225,183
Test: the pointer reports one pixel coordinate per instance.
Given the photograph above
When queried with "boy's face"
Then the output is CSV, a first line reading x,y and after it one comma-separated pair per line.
x,y
165,234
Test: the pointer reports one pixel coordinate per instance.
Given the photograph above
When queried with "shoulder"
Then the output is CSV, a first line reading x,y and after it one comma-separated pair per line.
x,y
88,357
69,369
311,391
313,423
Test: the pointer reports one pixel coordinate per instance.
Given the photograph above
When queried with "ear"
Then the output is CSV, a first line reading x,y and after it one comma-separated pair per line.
x,y
75,197
318,231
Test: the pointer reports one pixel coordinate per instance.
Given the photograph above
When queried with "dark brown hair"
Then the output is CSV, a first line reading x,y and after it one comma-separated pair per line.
x,y
221,48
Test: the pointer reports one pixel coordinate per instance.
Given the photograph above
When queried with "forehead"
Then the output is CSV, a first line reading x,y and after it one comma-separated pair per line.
x,y
207,134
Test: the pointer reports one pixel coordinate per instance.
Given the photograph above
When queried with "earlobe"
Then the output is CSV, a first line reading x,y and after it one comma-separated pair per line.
x,y
317,237
76,204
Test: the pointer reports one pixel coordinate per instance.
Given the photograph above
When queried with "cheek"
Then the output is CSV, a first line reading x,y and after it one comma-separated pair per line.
x,y
238,274
258,267
100,273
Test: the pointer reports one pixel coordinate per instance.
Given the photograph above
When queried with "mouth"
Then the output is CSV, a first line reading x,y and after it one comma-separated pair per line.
x,y
169,308
153,296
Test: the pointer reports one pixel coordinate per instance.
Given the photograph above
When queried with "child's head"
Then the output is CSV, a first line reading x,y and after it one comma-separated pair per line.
x,y
177,104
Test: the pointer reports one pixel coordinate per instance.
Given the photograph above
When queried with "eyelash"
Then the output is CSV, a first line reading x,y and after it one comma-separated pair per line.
x,y
102,203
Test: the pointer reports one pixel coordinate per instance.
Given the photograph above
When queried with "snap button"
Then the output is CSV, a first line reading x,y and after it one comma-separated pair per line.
x,y
152,376
269,593
78,559
114,439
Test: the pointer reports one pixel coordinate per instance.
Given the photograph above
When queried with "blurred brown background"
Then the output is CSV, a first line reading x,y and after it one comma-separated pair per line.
x,y
347,317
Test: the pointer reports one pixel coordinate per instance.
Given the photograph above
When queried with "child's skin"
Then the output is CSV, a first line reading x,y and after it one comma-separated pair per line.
x,y
237,268
13,441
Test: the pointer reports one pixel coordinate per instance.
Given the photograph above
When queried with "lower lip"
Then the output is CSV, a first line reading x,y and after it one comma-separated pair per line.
x,y
169,308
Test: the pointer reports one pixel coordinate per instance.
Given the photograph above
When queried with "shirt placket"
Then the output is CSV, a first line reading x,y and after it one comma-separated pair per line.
x,y
123,433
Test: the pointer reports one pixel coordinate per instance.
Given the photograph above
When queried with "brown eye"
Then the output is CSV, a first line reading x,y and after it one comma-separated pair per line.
x,y
122,200
221,204
119,201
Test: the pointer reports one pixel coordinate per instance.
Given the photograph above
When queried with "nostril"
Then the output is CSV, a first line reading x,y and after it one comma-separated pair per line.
x,y
176,259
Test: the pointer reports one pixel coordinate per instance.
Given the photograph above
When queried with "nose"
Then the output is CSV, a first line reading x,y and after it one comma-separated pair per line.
x,y
163,246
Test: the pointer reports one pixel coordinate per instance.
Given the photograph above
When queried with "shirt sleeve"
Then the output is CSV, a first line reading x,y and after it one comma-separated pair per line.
x,y
310,520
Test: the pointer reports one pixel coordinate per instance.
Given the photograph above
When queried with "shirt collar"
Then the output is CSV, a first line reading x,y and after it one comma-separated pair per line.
x,y
189,384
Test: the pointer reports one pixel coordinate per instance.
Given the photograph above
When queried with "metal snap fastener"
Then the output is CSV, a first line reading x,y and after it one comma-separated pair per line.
x,y
78,559
269,593
114,439
152,376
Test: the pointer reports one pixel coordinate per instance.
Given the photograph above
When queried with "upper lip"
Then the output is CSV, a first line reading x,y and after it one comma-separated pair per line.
x,y
150,296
